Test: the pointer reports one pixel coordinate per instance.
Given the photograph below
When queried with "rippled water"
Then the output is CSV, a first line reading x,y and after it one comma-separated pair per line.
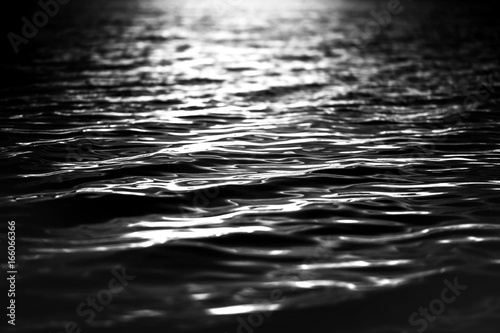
x,y
254,162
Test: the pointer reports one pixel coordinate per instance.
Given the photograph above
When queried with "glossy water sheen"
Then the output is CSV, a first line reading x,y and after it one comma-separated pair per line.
x,y
220,151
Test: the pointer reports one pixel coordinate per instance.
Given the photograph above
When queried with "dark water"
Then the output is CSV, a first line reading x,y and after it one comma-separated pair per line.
x,y
255,163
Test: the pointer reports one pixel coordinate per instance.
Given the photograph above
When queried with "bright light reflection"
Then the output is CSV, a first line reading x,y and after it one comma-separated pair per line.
x,y
154,237
356,263
237,309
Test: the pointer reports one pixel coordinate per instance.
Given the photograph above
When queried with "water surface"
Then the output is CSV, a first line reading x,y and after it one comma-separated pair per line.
x,y
255,163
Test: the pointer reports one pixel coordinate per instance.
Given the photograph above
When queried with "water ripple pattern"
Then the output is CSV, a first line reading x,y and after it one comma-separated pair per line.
x,y
250,157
